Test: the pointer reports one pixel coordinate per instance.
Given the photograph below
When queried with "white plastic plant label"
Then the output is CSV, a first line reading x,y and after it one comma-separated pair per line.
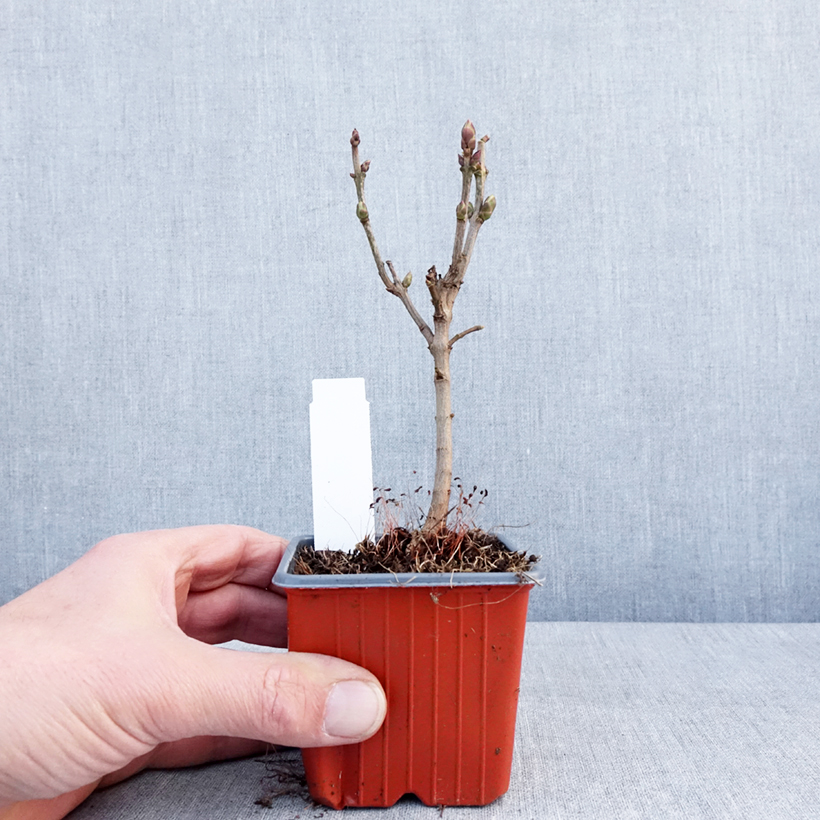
x,y
341,462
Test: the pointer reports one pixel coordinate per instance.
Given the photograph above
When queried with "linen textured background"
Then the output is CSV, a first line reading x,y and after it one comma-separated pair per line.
x,y
180,256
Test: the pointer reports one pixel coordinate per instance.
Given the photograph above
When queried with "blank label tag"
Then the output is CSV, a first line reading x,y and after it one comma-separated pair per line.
x,y
341,463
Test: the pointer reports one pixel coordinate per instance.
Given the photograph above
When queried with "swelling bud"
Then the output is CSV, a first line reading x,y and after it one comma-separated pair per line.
x,y
468,137
487,208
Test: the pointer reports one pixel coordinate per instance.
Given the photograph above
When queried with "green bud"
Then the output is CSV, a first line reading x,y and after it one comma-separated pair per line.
x,y
361,212
461,211
407,281
470,210
487,208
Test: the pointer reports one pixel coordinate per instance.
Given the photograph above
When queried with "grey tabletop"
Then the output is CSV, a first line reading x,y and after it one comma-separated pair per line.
x,y
615,721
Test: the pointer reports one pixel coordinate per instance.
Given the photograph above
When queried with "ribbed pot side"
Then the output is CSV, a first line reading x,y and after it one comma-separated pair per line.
x,y
449,659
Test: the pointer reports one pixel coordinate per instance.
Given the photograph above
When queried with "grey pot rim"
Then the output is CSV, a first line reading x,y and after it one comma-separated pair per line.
x,y
284,579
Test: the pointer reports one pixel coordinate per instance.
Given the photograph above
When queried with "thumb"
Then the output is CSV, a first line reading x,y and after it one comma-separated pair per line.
x,y
284,698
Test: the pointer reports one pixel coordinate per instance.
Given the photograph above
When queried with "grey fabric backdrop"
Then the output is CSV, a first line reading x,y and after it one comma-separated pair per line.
x,y
180,257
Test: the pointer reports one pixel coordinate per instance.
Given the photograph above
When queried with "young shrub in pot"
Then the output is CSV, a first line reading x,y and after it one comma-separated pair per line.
x,y
437,612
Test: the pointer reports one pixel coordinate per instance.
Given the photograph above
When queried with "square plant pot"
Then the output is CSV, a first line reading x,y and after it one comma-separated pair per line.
x,y
447,650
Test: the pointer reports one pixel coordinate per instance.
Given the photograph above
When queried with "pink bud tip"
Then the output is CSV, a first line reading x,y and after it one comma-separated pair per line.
x,y
354,139
468,136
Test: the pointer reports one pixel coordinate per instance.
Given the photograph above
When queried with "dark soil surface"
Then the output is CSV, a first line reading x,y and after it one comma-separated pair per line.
x,y
402,550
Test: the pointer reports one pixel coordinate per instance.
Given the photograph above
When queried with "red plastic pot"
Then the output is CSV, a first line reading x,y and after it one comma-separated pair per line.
x,y
447,650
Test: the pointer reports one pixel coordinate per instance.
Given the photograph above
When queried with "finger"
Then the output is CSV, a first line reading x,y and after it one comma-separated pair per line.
x,y
236,612
191,751
204,557
228,553
190,559
288,699
50,808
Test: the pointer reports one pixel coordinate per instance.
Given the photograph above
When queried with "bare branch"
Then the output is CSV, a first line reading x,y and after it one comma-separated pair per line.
x,y
359,173
468,145
470,216
462,212
464,333
374,249
395,286
469,244
399,289
462,255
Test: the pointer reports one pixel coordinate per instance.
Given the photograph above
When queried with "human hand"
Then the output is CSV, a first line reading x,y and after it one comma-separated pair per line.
x,y
106,668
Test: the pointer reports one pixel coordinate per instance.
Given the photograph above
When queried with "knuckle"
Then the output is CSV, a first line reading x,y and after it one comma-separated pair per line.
x,y
289,708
